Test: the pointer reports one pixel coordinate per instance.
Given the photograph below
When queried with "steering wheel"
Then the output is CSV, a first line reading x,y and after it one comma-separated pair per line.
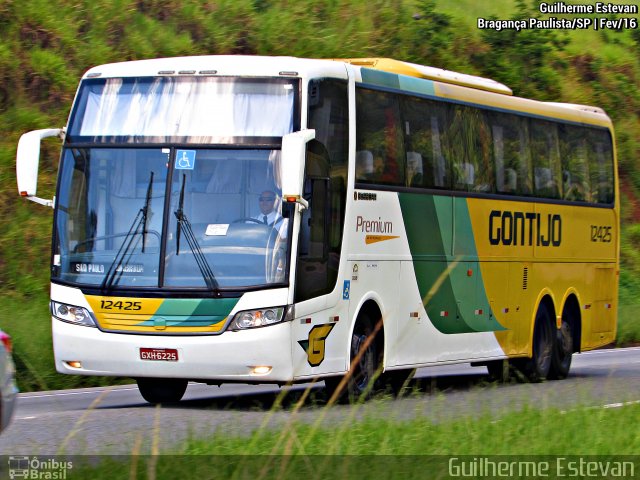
x,y
248,219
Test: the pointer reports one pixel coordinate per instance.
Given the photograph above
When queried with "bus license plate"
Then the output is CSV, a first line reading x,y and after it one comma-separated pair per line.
x,y
159,354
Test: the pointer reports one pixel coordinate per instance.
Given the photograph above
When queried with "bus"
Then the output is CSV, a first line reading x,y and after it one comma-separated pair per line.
x,y
280,220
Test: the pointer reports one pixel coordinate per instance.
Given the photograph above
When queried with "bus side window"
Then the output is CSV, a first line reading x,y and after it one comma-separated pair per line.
x,y
314,218
379,130
601,167
574,164
312,270
326,171
426,166
545,152
468,141
510,153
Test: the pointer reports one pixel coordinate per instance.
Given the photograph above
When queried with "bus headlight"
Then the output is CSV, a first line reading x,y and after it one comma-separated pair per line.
x,y
72,314
259,318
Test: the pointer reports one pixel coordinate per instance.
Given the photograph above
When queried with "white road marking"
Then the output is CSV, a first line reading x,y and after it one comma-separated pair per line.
x,y
26,396
608,405
611,350
621,404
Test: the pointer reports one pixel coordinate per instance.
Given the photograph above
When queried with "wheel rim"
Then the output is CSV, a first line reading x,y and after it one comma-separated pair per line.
x,y
544,349
564,343
363,369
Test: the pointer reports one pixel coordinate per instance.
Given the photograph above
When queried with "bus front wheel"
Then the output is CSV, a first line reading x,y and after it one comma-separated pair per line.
x,y
366,358
162,390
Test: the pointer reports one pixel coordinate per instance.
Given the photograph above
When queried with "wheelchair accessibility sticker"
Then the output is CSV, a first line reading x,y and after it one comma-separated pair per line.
x,y
185,159
346,289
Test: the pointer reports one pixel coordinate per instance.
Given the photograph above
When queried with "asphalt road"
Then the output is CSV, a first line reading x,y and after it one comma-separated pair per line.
x,y
116,420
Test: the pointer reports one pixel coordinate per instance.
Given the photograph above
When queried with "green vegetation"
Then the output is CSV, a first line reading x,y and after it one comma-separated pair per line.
x,y
377,443
584,431
46,46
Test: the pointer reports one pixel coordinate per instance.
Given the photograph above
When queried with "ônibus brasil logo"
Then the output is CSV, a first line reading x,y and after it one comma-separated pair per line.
x,y
38,468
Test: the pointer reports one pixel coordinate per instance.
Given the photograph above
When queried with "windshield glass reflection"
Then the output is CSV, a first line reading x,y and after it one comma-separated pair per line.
x,y
224,226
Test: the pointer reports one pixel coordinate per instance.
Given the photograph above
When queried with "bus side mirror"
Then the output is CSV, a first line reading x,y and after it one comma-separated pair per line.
x,y
27,161
294,147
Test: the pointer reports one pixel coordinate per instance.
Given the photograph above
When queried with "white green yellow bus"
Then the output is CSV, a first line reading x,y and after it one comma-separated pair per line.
x,y
279,220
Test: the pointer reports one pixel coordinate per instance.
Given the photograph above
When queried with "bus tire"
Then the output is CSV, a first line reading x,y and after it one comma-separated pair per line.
x,y
162,390
365,359
562,352
536,368
499,371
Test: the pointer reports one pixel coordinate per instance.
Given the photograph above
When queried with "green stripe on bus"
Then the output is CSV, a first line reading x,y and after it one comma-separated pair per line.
x,y
193,312
380,78
442,246
184,321
417,85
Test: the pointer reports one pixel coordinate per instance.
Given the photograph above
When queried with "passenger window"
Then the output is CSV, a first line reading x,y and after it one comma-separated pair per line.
x,y
546,159
426,163
379,131
511,154
601,166
468,142
575,173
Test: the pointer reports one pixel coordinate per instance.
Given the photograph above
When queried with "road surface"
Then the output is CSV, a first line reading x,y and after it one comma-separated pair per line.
x,y
116,420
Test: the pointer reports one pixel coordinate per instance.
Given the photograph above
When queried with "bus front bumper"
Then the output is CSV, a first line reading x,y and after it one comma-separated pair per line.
x,y
229,357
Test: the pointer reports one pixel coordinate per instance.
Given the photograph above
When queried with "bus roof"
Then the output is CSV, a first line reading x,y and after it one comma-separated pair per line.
x,y
453,85
430,73
468,88
221,65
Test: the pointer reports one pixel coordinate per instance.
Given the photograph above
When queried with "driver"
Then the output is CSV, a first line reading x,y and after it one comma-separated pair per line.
x,y
268,213
268,200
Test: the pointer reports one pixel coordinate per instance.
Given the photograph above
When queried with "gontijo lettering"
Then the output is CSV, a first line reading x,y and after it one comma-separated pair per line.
x,y
524,228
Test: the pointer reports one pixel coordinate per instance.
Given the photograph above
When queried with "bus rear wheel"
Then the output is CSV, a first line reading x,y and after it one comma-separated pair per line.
x,y
162,390
562,352
499,371
537,367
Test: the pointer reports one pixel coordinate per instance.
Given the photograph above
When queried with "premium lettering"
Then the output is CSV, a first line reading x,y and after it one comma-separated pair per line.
x,y
373,226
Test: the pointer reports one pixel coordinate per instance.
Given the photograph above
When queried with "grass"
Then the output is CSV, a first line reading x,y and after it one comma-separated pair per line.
x,y
469,10
628,325
389,448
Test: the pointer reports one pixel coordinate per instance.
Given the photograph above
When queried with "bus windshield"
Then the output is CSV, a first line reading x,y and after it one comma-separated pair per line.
x,y
171,218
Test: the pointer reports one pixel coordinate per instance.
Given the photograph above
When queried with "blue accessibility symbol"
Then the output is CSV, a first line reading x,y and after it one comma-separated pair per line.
x,y
185,159
346,289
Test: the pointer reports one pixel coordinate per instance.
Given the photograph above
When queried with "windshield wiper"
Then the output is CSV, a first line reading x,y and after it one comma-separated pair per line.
x,y
130,242
145,212
184,225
